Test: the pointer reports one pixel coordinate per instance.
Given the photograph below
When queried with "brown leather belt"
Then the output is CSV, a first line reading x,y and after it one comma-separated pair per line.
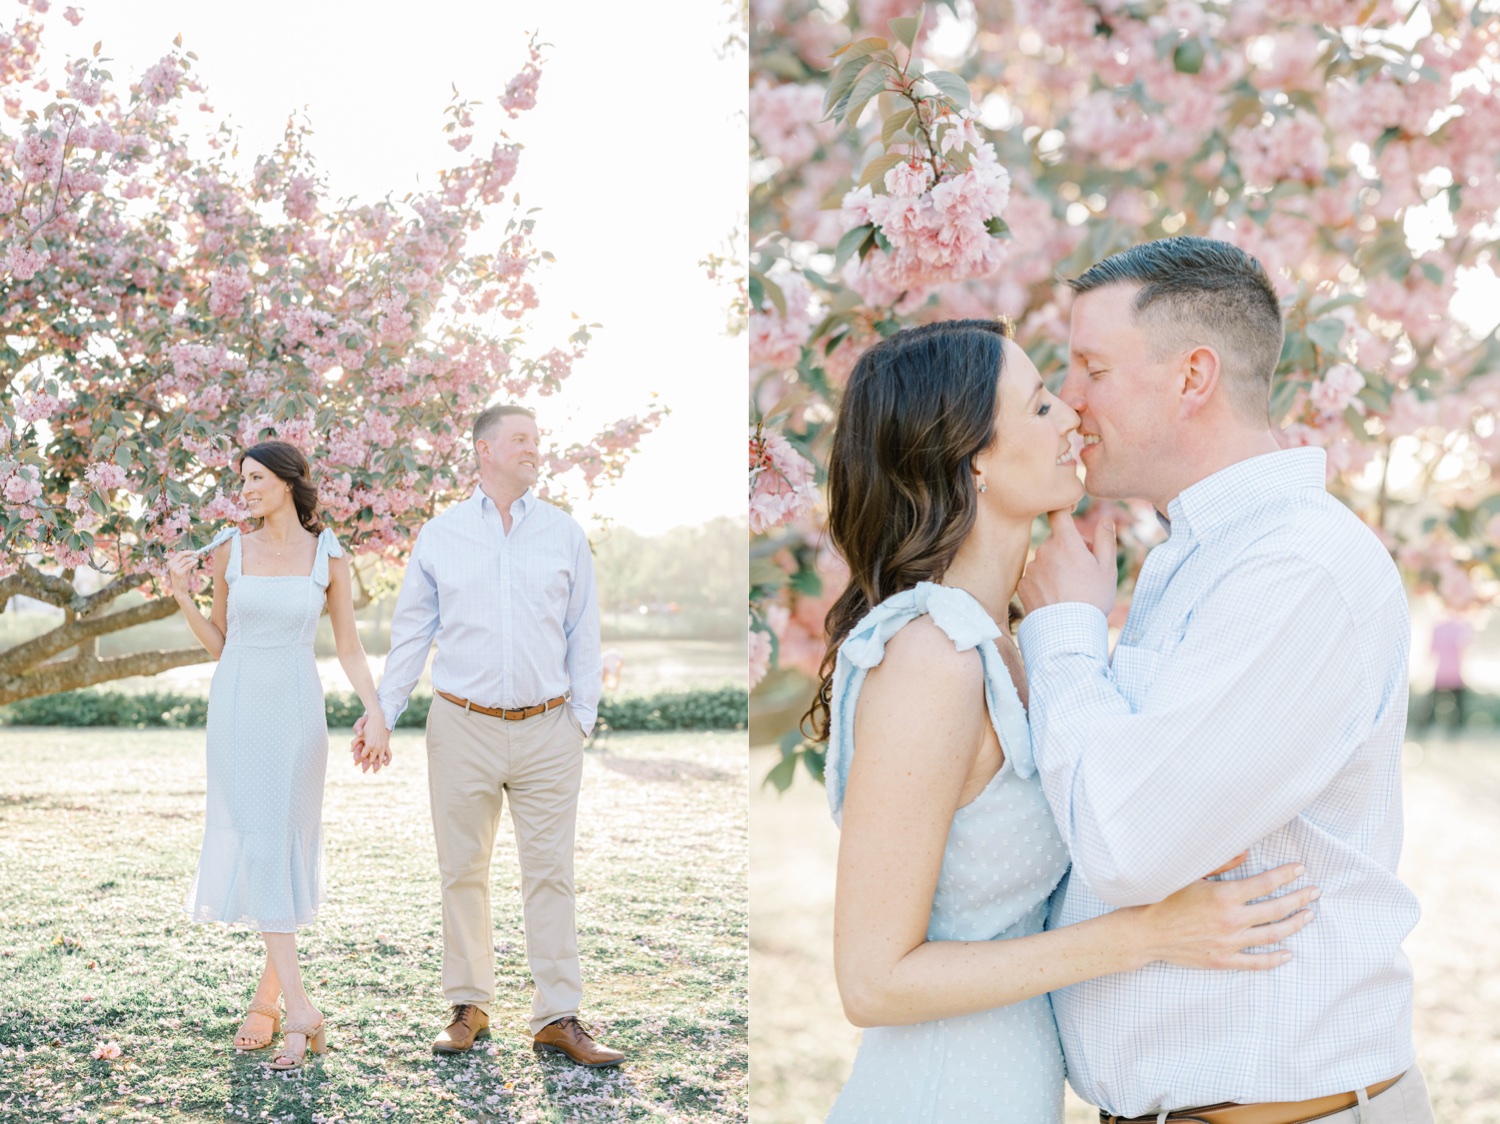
x,y
1281,1112
508,715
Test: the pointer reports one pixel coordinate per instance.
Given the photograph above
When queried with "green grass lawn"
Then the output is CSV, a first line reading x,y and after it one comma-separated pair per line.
x,y
99,834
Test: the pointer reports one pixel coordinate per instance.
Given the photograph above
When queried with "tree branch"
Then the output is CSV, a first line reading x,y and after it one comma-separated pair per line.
x,y
70,633
69,675
59,592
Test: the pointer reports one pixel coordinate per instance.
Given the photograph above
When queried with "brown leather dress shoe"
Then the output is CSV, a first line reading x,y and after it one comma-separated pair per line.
x,y
468,1023
567,1036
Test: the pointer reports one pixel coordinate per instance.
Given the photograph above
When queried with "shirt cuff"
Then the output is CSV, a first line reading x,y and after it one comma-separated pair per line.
x,y
391,712
1067,628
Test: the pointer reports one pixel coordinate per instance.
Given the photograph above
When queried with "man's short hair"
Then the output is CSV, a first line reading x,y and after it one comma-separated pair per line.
x,y
484,424
1196,292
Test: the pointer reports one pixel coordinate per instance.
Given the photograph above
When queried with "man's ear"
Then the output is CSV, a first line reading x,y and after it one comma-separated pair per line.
x,y
1200,379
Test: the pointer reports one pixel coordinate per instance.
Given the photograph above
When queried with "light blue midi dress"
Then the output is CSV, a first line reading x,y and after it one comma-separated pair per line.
x,y
262,858
1003,859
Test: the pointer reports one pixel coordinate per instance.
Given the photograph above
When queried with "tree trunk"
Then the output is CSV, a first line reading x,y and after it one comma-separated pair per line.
x,y
82,671
26,656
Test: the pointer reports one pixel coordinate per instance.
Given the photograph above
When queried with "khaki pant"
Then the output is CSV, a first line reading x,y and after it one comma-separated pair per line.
x,y
473,761
1405,1102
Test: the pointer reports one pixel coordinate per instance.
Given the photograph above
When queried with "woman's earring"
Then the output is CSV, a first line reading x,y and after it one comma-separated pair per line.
x,y
983,487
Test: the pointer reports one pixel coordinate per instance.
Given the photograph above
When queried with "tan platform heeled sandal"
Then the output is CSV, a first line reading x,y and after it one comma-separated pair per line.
x,y
243,1041
317,1041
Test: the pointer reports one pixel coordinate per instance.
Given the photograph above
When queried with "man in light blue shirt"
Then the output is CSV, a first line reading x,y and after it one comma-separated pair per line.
x,y
1255,701
505,584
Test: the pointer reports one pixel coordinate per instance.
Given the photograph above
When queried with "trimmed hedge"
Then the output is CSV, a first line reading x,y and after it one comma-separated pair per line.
x,y
724,709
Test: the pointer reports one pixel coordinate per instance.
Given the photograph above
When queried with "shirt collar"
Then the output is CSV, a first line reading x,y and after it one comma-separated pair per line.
x,y
518,509
1234,490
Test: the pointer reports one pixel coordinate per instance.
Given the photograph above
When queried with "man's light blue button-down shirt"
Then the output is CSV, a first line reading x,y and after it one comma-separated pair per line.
x,y
515,615
1256,700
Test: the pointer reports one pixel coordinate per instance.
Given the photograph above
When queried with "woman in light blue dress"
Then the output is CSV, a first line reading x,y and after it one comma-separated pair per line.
x,y
948,446
262,858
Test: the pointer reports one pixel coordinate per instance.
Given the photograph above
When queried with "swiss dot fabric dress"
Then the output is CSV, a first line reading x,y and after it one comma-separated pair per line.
x,y
262,858
1003,859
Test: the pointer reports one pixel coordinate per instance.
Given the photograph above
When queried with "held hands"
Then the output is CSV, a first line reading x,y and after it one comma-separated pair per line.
x,y
1210,924
1066,568
371,745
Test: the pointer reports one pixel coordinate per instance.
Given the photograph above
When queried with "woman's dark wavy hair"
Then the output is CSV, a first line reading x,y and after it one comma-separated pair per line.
x,y
901,497
285,461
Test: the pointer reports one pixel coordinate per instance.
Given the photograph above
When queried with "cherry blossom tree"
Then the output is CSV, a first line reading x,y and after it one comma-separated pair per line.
x,y
914,165
163,307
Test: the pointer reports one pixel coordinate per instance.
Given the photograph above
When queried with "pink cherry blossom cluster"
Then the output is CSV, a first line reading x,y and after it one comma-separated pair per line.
x,y
227,290
777,338
105,476
1292,147
38,406
782,482
786,120
1336,391
221,506
520,91
162,82
760,653
21,485
936,227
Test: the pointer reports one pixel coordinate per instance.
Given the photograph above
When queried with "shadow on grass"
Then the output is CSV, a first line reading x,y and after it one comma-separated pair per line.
x,y
660,769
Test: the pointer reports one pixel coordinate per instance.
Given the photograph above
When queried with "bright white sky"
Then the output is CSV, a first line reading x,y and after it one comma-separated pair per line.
x,y
635,152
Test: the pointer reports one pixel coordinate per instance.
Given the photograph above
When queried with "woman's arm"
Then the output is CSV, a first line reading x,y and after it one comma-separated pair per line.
x,y
350,650
919,726
210,632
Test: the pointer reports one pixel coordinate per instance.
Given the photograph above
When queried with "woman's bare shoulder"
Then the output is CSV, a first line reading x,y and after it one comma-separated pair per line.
x,y
921,662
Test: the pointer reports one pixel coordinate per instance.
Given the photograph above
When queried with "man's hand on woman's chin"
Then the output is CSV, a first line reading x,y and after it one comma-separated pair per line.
x,y
1067,568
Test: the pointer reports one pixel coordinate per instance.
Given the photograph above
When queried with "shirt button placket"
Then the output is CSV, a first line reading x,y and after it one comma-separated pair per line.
x,y
506,662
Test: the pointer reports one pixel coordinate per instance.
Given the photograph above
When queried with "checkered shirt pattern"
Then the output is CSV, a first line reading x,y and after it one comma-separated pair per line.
x,y
1256,700
516,616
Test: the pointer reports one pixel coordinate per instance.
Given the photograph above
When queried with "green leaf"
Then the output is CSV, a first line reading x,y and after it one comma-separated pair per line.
x,y
816,761
850,243
997,226
841,83
781,776
860,48
807,582
952,86
1327,333
1188,57
888,328
896,123
1356,423
866,88
96,501
757,292
905,28
1385,138
774,294
764,572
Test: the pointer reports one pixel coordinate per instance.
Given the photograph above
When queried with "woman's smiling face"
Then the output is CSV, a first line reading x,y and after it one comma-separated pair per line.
x,y
261,489
1032,466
